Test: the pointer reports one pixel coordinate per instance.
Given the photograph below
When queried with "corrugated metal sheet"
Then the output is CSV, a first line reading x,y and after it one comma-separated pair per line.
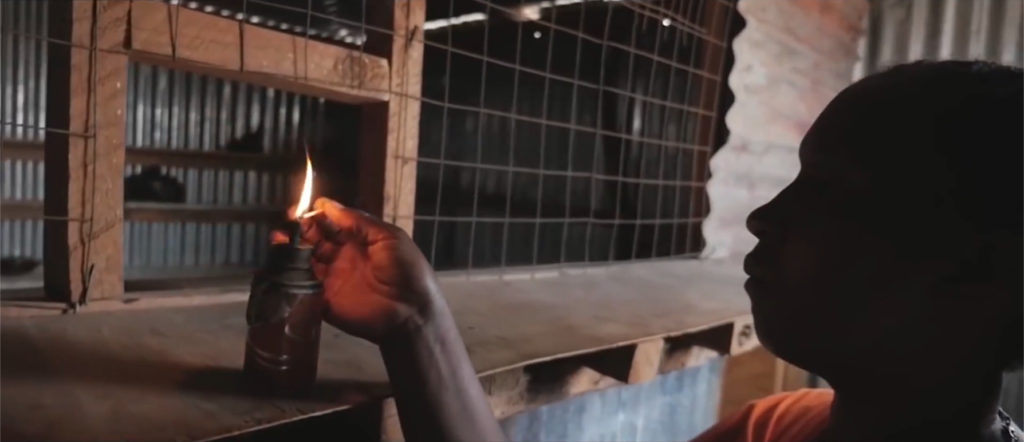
x,y
899,31
166,110
23,110
176,110
674,406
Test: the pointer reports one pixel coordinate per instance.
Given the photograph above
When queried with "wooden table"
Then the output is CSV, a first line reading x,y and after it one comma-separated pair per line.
x,y
175,372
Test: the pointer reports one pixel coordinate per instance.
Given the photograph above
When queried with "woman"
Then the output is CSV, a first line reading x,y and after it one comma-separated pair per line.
x,y
890,267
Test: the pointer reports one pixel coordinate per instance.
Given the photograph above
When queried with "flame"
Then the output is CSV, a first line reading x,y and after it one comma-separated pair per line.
x,y
307,190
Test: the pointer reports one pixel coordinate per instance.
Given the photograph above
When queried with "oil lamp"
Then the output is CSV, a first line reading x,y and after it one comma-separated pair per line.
x,y
284,312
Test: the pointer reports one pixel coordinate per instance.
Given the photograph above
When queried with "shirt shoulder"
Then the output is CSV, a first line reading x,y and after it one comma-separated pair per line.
x,y
796,416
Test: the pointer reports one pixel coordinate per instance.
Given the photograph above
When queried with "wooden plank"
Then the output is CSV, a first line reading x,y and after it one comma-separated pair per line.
x,y
31,150
19,209
789,377
646,360
390,139
151,211
694,349
21,150
178,37
174,373
219,160
747,377
86,99
148,211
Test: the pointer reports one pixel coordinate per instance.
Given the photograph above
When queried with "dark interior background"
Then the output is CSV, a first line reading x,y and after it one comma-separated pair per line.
x,y
539,146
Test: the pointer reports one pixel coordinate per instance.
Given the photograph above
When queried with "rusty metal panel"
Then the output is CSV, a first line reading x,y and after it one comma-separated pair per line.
x,y
23,115
674,406
899,31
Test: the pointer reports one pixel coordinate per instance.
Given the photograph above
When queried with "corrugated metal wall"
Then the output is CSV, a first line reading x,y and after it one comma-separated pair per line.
x,y
175,110
674,406
169,110
899,31
23,88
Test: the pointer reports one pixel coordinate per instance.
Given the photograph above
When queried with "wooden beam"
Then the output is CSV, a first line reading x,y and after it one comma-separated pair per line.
x,y
646,360
748,376
151,211
390,138
20,209
789,377
692,349
21,150
84,156
219,160
178,37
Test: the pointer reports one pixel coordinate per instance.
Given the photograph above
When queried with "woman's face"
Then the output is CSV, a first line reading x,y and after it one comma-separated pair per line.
x,y
853,256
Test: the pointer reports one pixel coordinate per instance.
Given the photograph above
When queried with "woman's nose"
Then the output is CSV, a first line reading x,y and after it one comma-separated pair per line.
x,y
765,218
757,221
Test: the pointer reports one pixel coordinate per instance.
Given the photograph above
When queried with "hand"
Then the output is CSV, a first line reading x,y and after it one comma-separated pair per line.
x,y
375,279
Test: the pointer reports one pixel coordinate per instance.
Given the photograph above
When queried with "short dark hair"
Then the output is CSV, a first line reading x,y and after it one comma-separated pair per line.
x,y
977,109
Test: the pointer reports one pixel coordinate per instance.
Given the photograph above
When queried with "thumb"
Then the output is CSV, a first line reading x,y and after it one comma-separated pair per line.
x,y
346,224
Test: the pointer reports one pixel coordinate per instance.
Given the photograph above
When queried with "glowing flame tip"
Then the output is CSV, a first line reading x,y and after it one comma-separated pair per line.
x,y
307,190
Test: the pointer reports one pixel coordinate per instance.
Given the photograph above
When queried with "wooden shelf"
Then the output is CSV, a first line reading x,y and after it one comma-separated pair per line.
x,y
213,159
21,150
150,211
29,150
142,281
122,370
178,37
18,209
147,211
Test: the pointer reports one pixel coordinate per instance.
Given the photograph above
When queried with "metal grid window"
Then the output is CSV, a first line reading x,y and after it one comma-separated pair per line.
x,y
566,131
183,122
550,132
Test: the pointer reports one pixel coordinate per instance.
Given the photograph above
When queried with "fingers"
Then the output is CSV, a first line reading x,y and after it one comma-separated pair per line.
x,y
320,270
324,251
334,222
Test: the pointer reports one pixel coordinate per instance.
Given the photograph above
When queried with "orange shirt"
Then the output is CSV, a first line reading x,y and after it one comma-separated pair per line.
x,y
798,416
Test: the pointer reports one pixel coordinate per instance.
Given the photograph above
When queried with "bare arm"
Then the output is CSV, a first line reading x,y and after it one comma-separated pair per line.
x,y
436,389
378,286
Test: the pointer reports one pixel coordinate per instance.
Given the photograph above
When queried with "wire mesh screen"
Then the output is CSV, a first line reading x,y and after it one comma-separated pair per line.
x,y
549,132
227,145
566,131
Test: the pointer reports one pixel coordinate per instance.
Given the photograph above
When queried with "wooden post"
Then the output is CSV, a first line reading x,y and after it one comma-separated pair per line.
x,y
646,360
85,101
390,131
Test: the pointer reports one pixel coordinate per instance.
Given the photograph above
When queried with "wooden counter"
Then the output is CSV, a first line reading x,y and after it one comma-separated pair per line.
x,y
128,371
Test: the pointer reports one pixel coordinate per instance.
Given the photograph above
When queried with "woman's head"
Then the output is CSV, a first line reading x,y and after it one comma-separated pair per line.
x,y
900,239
